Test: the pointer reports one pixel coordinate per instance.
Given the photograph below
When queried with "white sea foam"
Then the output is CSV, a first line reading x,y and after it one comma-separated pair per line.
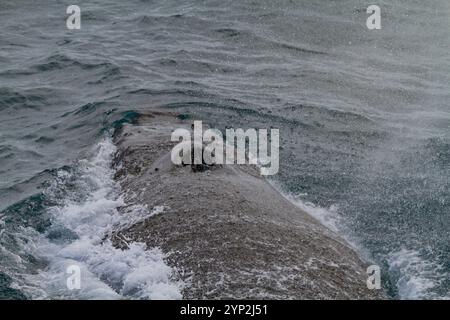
x,y
137,213
417,276
326,216
107,272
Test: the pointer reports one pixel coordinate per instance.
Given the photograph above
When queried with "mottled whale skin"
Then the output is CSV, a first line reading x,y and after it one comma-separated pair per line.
x,y
226,231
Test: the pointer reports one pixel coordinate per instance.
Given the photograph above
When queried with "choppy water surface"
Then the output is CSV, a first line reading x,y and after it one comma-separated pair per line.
x,y
363,117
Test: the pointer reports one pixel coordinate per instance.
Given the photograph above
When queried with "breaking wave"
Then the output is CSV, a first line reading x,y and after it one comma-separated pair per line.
x,y
86,212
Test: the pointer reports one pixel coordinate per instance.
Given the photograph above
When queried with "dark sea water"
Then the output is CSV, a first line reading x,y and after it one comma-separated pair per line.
x,y
364,119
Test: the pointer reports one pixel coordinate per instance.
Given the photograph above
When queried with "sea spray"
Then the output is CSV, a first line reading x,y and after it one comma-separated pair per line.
x,y
82,220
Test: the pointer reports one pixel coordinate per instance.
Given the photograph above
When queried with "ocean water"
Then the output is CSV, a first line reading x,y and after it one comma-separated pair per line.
x,y
363,118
